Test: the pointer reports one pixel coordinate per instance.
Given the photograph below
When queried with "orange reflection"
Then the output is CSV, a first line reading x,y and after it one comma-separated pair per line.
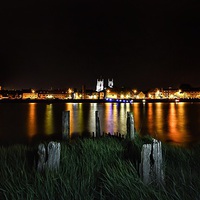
x,y
32,125
48,120
123,117
155,119
108,123
69,107
136,115
159,118
150,119
80,117
177,123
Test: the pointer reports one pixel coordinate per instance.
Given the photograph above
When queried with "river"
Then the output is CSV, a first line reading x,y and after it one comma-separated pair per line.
x,y
25,123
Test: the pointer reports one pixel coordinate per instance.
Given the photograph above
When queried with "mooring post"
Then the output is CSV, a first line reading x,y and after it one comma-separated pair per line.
x,y
130,126
41,157
49,157
98,134
53,161
65,124
151,167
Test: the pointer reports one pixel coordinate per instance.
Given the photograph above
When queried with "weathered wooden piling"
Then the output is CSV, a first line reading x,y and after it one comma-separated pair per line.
x,y
49,158
41,157
130,126
98,130
53,160
65,124
151,167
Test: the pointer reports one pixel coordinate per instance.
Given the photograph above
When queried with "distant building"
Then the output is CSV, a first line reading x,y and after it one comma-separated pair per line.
x,y
171,93
111,93
110,83
29,94
100,84
53,94
140,95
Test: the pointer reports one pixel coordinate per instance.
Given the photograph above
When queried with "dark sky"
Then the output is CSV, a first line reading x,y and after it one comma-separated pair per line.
x,y
69,43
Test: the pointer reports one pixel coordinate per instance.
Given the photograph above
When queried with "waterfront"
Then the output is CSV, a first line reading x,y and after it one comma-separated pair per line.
x,y
176,123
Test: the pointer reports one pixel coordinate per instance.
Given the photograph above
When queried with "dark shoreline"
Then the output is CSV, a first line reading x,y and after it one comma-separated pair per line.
x,y
49,101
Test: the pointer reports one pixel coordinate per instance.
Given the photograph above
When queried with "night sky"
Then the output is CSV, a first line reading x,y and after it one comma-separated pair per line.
x,y
69,43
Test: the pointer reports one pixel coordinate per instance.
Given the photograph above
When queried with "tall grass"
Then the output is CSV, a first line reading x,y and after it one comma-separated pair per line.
x,y
101,169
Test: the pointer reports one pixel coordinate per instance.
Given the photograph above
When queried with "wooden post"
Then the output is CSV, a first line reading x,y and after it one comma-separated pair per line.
x,y
41,157
48,158
151,167
130,126
53,161
65,124
98,133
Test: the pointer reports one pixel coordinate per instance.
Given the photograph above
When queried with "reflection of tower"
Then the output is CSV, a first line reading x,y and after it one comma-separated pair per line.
x,y
110,83
99,86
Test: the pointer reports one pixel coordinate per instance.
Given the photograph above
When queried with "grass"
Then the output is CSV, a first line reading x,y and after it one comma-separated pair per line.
x,y
98,169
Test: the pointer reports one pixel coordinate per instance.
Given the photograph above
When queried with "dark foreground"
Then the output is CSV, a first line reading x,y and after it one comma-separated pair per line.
x,y
102,168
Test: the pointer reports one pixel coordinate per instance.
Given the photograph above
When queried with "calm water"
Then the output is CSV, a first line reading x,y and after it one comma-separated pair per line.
x,y
177,123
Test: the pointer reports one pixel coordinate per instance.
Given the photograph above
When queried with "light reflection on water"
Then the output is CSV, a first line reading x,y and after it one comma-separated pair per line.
x,y
177,123
31,120
48,119
172,123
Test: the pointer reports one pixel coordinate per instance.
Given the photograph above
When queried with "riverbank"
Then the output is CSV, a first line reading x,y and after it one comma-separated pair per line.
x,y
100,168
49,101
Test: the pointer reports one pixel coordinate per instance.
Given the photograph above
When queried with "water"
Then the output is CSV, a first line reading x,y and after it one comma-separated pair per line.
x,y
176,123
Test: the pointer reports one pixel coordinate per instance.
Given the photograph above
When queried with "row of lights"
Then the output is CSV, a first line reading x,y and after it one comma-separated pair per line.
x,y
119,100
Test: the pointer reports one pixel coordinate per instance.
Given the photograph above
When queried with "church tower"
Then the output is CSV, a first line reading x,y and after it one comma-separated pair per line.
x,y
100,83
110,83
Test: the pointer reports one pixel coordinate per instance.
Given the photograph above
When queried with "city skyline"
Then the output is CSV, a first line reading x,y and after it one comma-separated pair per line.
x,y
103,84
72,43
